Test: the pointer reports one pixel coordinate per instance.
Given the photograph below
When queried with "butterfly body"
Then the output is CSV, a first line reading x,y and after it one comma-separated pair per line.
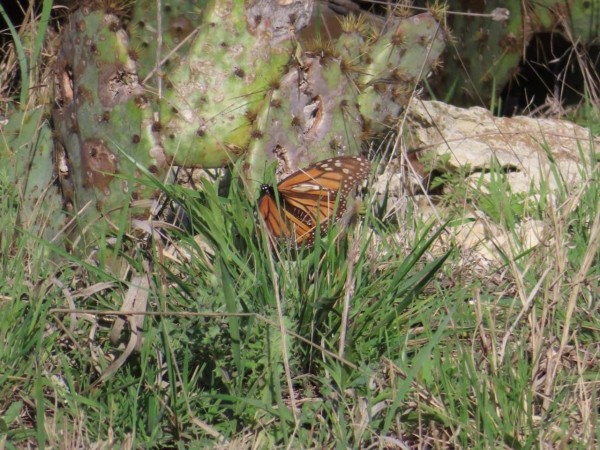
x,y
308,201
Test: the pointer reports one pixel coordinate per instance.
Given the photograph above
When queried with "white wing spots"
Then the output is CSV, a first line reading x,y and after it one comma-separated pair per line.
x,y
307,187
324,165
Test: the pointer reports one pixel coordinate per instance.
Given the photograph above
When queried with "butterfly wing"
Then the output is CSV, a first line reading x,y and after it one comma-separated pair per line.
x,y
331,175
308,198
286,221
267,206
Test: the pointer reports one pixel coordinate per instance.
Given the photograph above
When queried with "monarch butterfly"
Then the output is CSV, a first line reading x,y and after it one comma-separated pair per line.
x,y
307,198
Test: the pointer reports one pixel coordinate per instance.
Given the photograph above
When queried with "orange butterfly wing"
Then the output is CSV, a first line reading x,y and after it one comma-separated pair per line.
x,y
308,198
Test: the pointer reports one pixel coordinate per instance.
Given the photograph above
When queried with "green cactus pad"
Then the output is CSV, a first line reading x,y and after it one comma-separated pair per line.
x,y
178,20
101,116
26,148
213,94
338,94
491,37
312,115
396,62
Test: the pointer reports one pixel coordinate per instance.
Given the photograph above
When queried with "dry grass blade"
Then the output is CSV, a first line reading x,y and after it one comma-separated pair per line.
x,y
136,299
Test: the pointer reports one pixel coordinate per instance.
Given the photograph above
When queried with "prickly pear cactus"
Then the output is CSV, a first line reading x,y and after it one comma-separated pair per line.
x,y
395,63
104,126
491,37
112,131
583,20
28,176
213,94
337,95
212,82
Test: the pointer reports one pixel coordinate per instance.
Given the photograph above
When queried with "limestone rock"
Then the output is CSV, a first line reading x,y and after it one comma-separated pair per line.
x,y
444,139
525,148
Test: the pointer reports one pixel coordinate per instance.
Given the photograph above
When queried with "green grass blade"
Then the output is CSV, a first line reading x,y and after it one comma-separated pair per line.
x,y
23,64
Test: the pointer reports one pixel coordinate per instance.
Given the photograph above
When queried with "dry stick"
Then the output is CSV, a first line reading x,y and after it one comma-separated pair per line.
x,y
71,222
175,49
159,42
